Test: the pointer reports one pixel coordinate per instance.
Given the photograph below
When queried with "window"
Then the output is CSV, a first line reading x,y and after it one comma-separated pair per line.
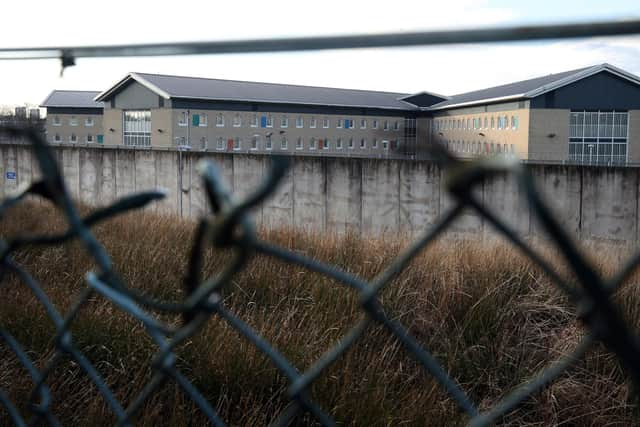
x,y
73,121
204,143
284,122
56,121
299,143
485,123
284,143
598,137
363,143
374,143
73,138
89,138
312,144
137,128
325,123
88,121
267,143
493,123
182,118
351,143
237,144
299,122
385,125
385,144
57,138
254,121
204,120
237,120
312,122
325,144
500,123
220,144
514,123
374,123
506,122
339,144
363,123
339,124
396,125
220,120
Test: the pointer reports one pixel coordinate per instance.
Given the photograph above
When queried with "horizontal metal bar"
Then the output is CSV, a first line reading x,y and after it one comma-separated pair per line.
x,y
296,44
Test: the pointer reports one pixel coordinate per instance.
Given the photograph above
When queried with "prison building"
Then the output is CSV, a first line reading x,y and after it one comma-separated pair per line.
x,y
589,115
144,110
73,117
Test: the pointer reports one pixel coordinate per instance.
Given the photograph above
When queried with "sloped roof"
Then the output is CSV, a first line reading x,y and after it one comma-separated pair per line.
x,y
72,98
235,90
529,88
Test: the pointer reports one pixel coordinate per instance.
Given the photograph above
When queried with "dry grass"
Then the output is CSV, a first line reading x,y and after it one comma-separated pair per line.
x,y
487,313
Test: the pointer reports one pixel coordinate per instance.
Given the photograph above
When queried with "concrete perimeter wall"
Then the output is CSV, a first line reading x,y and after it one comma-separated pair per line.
x,y
368,196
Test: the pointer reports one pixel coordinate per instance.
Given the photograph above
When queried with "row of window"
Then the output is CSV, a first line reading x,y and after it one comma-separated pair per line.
x,y
474,147
267,121
89,138
598,124
73,121
477,123
255,143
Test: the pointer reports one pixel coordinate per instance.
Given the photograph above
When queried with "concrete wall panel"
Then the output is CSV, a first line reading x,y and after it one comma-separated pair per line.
x,y
380,196
419,196
125,172
502,196
71,170
167,179
107,185
309,181
561,190
344,195
609,203
90,162
247,175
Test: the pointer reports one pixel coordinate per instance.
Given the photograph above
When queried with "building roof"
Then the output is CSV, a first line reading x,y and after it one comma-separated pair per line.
x,y
72,98
244,91
529,88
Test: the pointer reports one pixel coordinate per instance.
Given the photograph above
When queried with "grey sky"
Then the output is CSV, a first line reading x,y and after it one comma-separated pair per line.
x,y
447,70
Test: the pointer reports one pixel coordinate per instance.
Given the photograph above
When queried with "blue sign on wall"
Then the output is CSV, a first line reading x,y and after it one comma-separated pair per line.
x,y
11,175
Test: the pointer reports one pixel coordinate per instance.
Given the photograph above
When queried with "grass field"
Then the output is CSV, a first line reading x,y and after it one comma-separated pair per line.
x,y
488,314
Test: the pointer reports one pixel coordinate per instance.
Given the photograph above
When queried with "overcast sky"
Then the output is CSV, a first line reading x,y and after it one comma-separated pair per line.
x,y
446,70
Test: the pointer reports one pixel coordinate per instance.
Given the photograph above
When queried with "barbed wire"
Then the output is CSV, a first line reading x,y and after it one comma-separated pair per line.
x,y
230,227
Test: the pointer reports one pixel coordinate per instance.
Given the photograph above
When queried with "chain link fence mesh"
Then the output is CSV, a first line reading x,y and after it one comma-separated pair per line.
x,y
230,226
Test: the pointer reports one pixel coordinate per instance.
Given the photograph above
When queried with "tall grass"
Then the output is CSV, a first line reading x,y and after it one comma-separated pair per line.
x,y
489,315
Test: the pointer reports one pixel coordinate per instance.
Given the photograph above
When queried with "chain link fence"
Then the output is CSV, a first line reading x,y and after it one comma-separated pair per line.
x,y
230,226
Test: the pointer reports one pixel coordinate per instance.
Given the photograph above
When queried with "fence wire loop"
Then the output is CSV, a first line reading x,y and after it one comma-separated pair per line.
x,y
231,226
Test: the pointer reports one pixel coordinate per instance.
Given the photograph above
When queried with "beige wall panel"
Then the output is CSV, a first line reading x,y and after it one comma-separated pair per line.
x,y
549,135
468,143
634,137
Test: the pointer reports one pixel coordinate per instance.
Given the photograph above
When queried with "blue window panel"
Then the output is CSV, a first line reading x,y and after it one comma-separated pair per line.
x,y
346,123
263,121
196,120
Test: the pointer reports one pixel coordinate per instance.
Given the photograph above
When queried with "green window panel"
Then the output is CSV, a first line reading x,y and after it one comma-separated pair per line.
x,y
100,139
196,119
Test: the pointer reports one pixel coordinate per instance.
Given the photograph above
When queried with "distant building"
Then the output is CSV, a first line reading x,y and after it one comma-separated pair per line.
x,y
21,112
238,116
73,117
34,114
589,115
